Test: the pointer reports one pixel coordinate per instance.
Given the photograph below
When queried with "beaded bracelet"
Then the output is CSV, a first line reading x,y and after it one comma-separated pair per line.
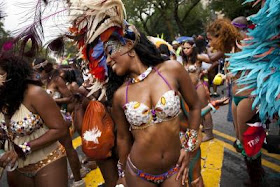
x,y
189,139
120,170
213,108
26,149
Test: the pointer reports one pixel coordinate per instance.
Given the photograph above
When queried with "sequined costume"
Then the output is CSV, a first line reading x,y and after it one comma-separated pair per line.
x,y
141,116
26,126
156,179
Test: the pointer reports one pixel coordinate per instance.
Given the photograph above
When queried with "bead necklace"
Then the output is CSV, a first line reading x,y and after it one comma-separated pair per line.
x,y
142,76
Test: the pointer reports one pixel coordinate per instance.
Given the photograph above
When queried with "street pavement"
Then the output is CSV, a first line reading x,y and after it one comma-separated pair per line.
x,y
221,165
233,170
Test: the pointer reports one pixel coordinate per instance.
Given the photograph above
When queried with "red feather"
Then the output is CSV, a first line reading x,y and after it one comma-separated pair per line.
x,y
99,73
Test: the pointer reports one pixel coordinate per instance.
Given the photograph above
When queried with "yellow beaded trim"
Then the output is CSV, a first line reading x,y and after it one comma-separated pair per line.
x,y
53,156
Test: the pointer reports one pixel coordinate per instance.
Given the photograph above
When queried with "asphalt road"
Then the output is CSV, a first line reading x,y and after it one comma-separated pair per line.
x,y
234,169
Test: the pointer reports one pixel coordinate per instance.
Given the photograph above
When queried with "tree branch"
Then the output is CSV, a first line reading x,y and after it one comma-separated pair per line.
x,y
190,9
176,16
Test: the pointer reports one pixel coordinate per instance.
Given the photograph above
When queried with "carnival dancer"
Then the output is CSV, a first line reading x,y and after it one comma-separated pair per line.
x,y
124,48
135,133
259,78
31,127
223,37
56,87
98,23
193,67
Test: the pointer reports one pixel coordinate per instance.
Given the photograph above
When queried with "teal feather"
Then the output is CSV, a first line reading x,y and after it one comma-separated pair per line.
x,y
260,70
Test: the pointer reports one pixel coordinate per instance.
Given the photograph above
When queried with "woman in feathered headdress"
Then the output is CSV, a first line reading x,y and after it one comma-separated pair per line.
x,y
146,103
137,71
146,108
257,67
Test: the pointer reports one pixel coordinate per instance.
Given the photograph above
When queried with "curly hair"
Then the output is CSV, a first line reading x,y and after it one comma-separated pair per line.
x,y
19,74
225,35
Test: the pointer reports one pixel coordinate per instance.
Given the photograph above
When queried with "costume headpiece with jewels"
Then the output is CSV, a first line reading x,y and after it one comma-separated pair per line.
x,y
92,23
259,60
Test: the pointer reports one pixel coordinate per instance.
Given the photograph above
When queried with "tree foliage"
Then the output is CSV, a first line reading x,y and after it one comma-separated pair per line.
x,y
233,8
181,17
170,17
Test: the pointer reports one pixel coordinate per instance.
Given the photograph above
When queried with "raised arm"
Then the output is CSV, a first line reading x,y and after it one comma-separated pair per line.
x,y
210,57
65,92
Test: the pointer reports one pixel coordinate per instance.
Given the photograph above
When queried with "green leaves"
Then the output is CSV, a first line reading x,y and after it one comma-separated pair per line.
x,y
170,17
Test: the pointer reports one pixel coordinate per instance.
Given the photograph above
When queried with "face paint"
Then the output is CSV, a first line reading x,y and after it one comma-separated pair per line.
x,y
112,47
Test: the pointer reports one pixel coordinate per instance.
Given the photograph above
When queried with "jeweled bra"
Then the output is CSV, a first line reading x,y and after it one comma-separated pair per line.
x,y
140,116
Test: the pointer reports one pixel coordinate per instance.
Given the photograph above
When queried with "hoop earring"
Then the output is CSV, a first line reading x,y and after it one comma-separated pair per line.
x,y
131,53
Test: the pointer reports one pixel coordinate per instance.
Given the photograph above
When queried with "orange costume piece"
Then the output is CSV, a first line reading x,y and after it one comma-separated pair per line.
x,y
97,131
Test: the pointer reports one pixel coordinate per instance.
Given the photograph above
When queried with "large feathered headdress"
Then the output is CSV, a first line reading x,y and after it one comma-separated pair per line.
x,y
92,19
259,61
91,23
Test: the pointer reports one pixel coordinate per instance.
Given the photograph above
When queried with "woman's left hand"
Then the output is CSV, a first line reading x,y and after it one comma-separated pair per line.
x,y
9,157
183,163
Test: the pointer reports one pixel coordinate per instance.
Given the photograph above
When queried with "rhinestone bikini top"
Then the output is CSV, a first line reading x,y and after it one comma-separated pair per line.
x,y
140,116
22,123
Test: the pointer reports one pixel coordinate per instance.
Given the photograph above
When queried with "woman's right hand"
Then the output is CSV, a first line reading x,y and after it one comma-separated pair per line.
x,y
183,163
8,157
222,101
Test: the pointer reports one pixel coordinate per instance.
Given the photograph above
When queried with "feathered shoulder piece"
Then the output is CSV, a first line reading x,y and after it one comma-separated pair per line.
x,y
259,61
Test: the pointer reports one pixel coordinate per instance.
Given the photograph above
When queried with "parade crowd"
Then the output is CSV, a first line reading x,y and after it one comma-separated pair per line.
x,y
141,105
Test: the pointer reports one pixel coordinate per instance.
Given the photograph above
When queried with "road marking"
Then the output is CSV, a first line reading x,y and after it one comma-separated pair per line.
x,y
212,154
265,163
94,177
233,139
77,142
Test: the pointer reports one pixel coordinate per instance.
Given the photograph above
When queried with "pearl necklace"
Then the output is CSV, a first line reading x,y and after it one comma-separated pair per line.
x,y
142,76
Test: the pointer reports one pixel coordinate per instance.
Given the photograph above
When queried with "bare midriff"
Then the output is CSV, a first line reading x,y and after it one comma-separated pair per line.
x,y
156,149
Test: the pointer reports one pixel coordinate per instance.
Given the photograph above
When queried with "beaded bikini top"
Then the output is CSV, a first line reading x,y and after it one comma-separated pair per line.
x,y
22,123
140,116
